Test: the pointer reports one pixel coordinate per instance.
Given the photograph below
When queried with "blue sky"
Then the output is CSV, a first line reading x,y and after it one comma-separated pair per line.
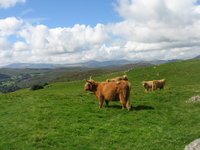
x,y
64,13
74,31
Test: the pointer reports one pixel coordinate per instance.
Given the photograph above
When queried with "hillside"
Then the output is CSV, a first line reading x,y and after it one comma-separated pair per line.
x,y
64,116
12,79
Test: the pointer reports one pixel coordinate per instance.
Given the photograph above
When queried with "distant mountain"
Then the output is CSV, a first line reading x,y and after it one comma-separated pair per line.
x,y
157,62
97,64
174,60
29,65
89,64
197,57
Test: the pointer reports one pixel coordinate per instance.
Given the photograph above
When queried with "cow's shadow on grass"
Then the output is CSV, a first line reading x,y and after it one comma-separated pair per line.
x,y
142,107
133,108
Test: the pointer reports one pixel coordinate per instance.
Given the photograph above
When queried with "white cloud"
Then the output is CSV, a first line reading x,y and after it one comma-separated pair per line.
x,y
158,27
167,11
4,44
155,20
10,3
43,40
9,26
5,51
20,46
42,44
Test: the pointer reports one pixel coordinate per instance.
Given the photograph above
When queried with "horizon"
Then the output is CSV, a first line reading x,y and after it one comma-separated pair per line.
x,y
88,64
69,32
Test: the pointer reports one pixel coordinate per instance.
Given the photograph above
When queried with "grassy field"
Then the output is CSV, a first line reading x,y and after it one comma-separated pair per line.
x,y
64,116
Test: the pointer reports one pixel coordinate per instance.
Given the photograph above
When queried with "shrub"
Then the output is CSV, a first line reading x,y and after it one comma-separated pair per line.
x,y
36,87
45,84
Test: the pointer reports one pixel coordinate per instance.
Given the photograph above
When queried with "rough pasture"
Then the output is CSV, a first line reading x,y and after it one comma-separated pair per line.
x,y
64,116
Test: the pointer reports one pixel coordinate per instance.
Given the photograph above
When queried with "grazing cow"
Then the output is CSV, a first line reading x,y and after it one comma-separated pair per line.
x,y
110,91
155,84
148,85
124,77
159,83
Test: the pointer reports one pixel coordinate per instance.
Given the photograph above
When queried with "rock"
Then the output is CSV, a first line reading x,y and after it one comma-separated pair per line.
x,y
194,99
195,145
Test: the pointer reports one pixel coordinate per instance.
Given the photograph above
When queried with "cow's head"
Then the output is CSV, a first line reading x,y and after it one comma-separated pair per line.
x,y
143,83
90,85
163,80
125,77
108,80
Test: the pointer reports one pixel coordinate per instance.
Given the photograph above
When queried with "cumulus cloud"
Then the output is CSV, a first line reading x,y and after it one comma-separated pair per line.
x,y
159,27
157,18
5,51
4,44
43,40
20,46
9,26
10,3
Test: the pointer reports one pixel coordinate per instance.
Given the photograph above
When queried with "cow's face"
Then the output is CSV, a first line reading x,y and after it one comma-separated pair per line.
x,y
88,85
163,80
143,83
125,77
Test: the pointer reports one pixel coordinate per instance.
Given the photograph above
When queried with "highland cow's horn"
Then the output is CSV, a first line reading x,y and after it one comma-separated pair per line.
x,y
88,81
90,78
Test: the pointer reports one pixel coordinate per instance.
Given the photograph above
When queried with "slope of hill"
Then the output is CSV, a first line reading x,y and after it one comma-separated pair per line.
x,y
14,79
64,116
98,72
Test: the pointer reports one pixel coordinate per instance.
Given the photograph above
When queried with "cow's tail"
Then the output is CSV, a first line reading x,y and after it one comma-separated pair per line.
x,y
128,102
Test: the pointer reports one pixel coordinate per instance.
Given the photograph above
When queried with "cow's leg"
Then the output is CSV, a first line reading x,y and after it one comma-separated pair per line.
x,y
100,99
128,104
107,102
123,105
154,86
122,100
100,102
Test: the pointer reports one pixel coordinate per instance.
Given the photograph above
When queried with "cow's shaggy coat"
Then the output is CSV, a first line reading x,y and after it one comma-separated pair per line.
x,y
159,84
124,77
155,84
110,91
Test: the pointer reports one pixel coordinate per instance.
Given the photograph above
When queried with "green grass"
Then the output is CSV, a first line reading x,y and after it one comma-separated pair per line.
x,y
64,116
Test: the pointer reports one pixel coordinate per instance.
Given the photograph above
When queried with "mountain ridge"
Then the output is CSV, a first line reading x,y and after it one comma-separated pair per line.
x,y
89,64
